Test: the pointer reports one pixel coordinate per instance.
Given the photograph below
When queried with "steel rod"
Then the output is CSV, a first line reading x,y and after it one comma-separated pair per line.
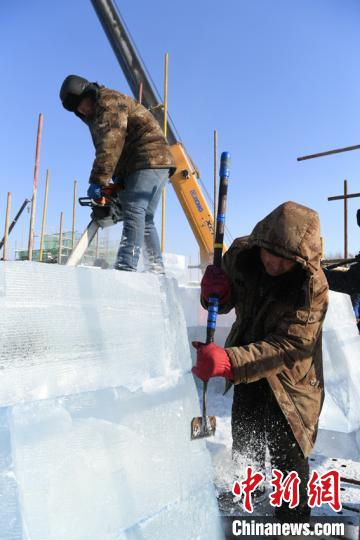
x,y
14,221
329,152
340,197
44,215
140,92
7,222
35,187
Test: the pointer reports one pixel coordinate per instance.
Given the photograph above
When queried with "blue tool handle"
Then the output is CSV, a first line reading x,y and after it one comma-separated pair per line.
x,y
213,305
225,164
213,308
221,210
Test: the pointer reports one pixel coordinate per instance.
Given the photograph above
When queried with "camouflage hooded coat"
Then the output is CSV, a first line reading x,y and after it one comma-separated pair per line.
x,y
126,137
277,332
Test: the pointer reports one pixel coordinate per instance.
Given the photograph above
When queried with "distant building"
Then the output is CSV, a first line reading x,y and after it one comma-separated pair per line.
x,y
97,251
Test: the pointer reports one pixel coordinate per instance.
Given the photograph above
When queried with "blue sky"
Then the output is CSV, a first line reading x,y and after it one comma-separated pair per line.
x,y
277,79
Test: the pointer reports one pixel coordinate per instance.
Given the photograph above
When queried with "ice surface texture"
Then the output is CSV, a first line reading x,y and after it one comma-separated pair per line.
x,y
341,350
96,400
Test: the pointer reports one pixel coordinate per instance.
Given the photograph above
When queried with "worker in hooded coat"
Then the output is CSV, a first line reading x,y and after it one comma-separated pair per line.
x,y
132,151
273,353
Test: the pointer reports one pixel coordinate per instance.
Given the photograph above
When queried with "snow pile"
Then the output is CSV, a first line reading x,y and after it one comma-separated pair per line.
x,y
96,400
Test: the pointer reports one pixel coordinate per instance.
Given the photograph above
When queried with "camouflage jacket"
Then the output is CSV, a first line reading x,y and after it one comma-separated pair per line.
x,y
126,137
277,332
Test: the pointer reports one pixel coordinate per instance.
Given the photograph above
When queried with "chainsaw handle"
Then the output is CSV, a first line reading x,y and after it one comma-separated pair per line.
x,y
86,201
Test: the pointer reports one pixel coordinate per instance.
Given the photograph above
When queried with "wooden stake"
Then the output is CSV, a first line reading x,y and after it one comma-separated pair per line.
x,y
163,200
60,237
7,222
44,215
35,187
74,217
345,198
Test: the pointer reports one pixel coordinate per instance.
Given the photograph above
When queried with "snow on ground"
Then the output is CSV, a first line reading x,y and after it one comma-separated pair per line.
x,y
333,450
338,442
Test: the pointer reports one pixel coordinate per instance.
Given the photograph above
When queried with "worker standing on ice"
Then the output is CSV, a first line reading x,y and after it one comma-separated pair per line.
x,y
273,352
348,282
132,151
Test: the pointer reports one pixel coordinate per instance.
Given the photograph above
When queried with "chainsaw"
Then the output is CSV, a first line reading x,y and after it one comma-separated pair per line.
x,y
106,211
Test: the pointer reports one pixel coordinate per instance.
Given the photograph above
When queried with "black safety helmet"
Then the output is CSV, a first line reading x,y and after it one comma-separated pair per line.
x,y
73,89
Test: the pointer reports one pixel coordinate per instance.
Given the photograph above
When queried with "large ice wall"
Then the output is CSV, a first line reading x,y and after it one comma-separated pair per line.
x,y
341,355
96,399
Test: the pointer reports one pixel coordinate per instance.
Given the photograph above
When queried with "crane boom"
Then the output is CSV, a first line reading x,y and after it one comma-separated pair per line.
x,y
184,180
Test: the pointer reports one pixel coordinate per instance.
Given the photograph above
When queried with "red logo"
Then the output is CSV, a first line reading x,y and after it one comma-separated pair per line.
x,y
324,489
286,490
247,486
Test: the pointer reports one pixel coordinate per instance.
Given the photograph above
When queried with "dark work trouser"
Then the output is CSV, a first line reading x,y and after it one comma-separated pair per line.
x,y
257,423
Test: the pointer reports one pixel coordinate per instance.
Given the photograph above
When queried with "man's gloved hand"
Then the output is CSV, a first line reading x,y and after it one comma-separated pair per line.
x,y
212,361
215,281
94,191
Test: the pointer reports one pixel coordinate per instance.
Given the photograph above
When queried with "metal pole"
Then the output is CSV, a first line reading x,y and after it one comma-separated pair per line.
x,y
44,215
74,217
215,177
60,237
140,92
345,220
7,221
163,200
14,221
35,187
329,152
340,197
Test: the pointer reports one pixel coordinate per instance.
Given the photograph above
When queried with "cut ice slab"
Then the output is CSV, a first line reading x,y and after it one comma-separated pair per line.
x,y
66,330
90,465
96,397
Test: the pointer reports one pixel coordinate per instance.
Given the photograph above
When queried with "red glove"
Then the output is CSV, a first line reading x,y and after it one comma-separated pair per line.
x,y
212,361
215,281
